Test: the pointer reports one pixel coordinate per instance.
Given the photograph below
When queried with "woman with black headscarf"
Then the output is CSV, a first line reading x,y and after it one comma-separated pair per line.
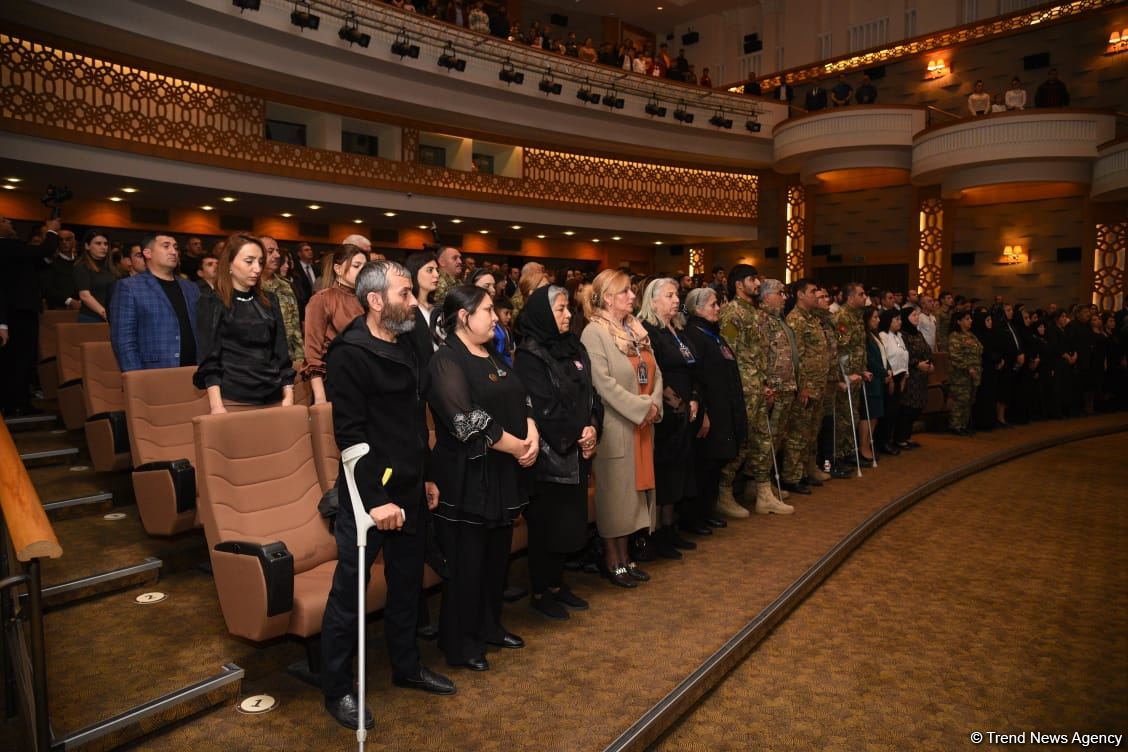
x,y
1008,345
556,371
983,417
915,396
1041,366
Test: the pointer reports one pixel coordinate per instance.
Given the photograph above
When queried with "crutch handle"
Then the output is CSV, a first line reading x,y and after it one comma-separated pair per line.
x,y
349,457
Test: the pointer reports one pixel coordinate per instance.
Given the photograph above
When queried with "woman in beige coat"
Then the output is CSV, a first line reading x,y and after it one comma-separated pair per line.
x,y
627,379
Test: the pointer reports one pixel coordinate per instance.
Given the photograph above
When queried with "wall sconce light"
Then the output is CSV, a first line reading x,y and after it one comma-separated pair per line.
x,y
936,69
1013,254
1117,42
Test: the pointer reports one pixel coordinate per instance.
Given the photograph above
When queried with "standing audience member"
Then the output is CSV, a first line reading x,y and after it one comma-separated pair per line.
x,y
94,275
209,264
1080,333
915,395
276,284
243,357
675,486
58,278
556,371
897,353
1016,95
825,442
153,315
706,80
812,364
979,101
983,410
867,92
629,383
375,397
965,356
875,389
485,437
305,276
136,259
816,98
424,271
450,272
190,259
533,275
840,94
1009,344
330,310
927,323
1052,92
851,331
722,423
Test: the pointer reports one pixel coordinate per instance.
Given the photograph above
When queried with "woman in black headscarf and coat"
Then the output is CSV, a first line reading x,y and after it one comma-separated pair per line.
x,y
983,415
556,371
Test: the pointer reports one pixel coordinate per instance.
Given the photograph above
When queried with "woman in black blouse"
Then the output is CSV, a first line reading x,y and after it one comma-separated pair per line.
x,y
556,370
244,360
915,395
675,485
484,438
424,270
94,275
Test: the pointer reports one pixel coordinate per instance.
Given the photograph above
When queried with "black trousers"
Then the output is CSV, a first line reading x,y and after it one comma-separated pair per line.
x,y
18,358
886,425
470,616
403,572
825,443
906,416
708,477
546,569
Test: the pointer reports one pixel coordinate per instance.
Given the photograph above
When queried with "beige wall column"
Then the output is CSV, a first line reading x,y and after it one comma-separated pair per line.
x,y
1103,255
796,208
932,263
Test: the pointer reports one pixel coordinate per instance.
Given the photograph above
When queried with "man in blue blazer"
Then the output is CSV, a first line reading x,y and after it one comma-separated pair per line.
x,y
153,315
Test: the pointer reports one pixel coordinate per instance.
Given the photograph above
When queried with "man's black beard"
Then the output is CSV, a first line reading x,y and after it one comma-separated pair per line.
x,y
398,320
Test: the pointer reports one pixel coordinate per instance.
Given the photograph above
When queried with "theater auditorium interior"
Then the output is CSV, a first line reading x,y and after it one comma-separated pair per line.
x,y
700,374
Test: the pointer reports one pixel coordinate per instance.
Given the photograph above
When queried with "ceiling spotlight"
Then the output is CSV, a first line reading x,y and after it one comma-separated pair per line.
x,y
547,85
484,232
14,180
654,109
403,46
753,125
682,115
509,74
351,32
314,207
129,190
9,187
287,215
569,233
389,214
115,199
228,199
304,18
586,95
243,5
205,207
358,221
657,242
450,60
595,240
616,237
542,237
611,100
423,227
720,121
514,227
456,221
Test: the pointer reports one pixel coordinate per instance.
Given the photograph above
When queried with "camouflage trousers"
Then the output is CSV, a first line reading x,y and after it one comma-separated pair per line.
x,y
844,430
803,428
962,393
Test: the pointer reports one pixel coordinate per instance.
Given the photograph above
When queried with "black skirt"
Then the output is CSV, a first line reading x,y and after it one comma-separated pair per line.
x,y
557,517
673,459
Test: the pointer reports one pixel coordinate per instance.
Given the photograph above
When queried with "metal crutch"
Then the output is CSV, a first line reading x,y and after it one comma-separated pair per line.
x,y
775,464
869,425
850,402
364,522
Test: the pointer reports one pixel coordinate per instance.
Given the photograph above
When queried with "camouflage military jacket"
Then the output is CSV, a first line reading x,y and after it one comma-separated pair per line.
x,y
830,336
288,304
740,326
814,354
781,352
943,321
517,300
964,353
446,284
851,333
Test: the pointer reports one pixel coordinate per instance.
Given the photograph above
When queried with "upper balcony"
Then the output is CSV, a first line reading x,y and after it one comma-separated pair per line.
x,y
1110,171
1044,146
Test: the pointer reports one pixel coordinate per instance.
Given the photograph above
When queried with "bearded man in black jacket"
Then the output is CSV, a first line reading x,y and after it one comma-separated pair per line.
x,y
373,385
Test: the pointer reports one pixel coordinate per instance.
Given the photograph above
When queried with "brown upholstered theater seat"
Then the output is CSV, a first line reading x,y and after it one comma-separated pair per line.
x,y
271,552
107,439
324,445
937,385
72,403
49,349
159,407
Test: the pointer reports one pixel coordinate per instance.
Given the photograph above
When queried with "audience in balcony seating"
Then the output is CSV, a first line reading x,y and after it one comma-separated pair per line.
x,y
1052,92
840,94
244,361
706,80
479,20
375,392
485,438
866,93
57,279
94,275
153,315
816,98
1015,98
330,311
588,52
979,101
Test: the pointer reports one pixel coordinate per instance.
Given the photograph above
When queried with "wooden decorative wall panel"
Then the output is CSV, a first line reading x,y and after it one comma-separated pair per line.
x,y
1108,265
54,93
931,247
796,229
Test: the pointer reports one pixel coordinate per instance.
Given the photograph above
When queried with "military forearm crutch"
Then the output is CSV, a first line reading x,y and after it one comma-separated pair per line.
x,y
364,523
850,403
771,441
869,425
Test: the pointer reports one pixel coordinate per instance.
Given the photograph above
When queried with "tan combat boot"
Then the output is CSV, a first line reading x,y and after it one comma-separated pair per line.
x,y
727,504
814,471
767,503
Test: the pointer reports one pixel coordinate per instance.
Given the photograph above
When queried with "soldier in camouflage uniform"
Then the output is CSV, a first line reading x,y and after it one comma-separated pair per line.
x,y
287,300
826,431
851,335
450,273
741,328
965,359
807,409
944,320
781,361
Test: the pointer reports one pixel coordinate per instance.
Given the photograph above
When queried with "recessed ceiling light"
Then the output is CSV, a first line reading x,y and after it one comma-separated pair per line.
x,y
569,233
9,187
595,240
514,227
287,215
228,199
129,190
115,199
542,237
207,208
389,214
660,8
314,207
358,221
484,232
616,237
422,227
456,221
14,180
657,242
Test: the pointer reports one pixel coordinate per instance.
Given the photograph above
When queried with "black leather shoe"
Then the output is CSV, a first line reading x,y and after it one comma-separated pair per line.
x,y
841,473
618,576
696,528
547,605
798,488
716,522
427,681
428,632
571,600
889,449
474,664
344,712
508,640
677,541
635,573
643,549
812,482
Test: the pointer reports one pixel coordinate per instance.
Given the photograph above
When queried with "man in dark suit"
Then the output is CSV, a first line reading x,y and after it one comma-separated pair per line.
x,y
20,267
816,98
304,276
153,315
57,279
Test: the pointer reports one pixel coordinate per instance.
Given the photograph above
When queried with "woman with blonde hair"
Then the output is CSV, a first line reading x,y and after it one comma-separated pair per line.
x,y
626,377
331,309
